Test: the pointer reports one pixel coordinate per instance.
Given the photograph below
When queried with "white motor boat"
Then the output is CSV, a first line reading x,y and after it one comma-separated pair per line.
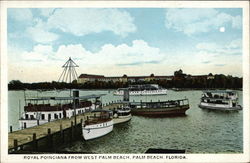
x,y
98,124
122,115
220,100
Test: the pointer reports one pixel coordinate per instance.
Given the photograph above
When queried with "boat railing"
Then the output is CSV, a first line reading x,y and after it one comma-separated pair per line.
x,y
32,118
57,107
216,98
169,103
96,120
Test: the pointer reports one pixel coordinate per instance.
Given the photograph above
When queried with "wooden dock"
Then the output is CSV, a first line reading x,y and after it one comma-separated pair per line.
x,y
30,136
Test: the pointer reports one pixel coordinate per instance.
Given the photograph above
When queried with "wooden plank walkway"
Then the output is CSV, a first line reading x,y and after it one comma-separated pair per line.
x,y
26,135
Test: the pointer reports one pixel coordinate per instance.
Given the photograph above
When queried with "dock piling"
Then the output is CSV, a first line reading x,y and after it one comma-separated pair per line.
x,y
10,129
34,142
71,132
49,131
15,144
49,139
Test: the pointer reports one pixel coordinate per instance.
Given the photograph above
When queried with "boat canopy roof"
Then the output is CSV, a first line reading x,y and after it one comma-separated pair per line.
x,y
223,99
158,102
100,110
66,98
219,91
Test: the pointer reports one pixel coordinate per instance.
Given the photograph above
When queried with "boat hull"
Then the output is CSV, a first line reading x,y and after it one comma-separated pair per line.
x,y
170,111
122,119
221,108
97,130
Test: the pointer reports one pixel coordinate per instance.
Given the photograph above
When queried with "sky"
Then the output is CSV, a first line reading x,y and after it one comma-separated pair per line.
x,y
117,41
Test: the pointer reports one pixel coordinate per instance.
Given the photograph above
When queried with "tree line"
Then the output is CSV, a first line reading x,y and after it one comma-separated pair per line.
x,y
180,81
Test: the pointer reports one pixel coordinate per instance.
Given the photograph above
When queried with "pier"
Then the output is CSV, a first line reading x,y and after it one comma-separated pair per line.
x,y
48,136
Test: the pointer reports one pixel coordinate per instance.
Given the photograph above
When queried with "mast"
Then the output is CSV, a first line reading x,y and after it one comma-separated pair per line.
x,y
68,75
19,102
24,97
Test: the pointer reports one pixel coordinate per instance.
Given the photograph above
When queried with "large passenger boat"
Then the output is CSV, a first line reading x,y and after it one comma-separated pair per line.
x,y
160,108
98,124
41,110
145,89
220,100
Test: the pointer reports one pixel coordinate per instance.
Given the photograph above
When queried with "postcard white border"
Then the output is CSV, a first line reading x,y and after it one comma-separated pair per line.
x,y
128,4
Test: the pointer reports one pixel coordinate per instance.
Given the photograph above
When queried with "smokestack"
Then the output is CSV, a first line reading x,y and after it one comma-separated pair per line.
x,y
76,95
126,95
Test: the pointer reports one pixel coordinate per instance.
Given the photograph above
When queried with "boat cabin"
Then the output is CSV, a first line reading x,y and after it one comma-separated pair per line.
x,y
98,116
160,104
219,99
220,94
41,110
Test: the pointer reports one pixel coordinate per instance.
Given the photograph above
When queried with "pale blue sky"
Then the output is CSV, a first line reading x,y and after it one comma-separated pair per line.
x,y
117,41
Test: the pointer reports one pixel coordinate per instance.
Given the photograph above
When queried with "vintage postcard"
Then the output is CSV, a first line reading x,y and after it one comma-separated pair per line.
x,y
125,81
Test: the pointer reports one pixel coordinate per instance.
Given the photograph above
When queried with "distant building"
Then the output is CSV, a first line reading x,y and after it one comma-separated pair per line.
x,y
210,76
83,78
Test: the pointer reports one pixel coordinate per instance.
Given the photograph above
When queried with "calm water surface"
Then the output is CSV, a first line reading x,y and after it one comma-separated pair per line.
x,y
200,131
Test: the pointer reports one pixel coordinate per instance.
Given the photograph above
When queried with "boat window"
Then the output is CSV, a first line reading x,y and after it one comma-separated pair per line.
x,y
26,116
60,115
32,117
49,116
43,116
209,94
216,96
56,116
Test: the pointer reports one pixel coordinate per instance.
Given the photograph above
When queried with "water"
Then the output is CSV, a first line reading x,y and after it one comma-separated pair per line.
x,y
201,131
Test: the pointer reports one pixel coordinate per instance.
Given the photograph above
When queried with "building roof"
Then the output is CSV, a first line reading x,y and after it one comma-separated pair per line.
x,y
124,76
91,76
